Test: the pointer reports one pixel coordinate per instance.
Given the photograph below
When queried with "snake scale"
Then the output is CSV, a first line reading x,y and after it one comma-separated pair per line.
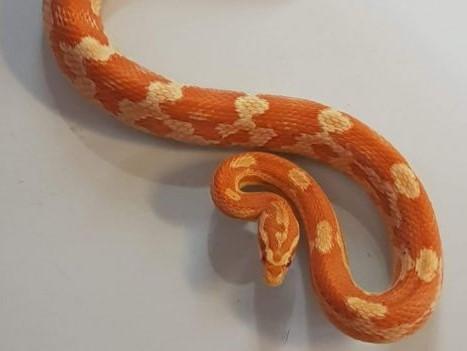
x,y
190,114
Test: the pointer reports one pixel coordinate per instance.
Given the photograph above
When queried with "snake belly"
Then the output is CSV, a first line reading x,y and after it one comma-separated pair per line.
x,y
164,108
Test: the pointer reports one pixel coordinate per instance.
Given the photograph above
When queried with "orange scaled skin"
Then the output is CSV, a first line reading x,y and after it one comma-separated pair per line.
x,y
159,106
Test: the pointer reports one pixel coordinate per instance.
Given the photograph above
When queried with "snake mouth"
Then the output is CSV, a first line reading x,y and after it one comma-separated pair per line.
x,y
274,275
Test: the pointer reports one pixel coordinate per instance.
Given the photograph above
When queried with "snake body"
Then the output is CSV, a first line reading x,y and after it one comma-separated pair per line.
x,y
164,108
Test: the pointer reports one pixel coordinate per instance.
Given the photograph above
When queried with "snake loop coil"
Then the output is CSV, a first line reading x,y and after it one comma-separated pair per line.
x,y
159,106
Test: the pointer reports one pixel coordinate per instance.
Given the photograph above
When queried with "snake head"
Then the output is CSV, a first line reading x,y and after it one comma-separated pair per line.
x,y
278,240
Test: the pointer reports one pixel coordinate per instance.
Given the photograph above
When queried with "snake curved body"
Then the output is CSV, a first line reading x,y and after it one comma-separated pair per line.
x,y
164,108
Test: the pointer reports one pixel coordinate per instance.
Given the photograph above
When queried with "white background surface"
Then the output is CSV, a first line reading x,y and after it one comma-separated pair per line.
x,y
108,238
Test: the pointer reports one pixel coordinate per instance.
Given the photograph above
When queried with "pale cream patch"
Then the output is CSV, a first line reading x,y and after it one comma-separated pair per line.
x,y
366,309
426,265
180,127
293,245
281,237
225,130
333,121
299,178
73,61
159,92
282,219
185,132
91,49
397,332
269,256
275,257
85,86
281,214
284,258
261,136
305,142
243,161
131,112
96,6
249,106
233,195
324,237
405,181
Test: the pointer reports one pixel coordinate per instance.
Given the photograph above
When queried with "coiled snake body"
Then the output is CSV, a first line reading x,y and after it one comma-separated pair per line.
x,y
164,108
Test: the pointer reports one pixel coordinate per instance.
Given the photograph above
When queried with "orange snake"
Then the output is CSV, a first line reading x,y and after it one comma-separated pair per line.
x,y
164,108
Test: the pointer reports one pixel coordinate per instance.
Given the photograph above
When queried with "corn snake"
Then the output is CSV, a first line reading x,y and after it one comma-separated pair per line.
x,y
159,106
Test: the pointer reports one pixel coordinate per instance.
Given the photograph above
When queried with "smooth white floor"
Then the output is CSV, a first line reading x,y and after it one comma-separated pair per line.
x,y
108,238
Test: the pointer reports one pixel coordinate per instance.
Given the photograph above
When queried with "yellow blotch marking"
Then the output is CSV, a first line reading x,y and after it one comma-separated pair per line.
x,y
184,131
281,214
405,180
225,130
396,332
284,258
426,265
282,219
244,161
333,121
261,136
159,92
86,86
249,106
179,127
73,60
90,48
281,237
96,6
299,178
366,309
131,111
324,237
232,195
